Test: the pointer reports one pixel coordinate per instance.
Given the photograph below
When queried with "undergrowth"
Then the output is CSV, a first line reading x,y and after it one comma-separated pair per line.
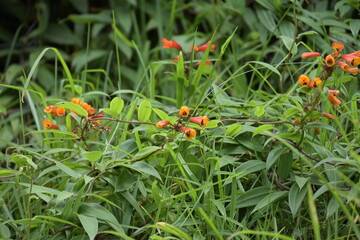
x,y
180,120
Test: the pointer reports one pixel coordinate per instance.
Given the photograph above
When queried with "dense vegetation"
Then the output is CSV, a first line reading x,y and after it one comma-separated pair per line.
x,y
179,119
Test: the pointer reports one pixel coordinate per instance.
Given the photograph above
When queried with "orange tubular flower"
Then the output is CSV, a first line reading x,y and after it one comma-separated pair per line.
x,y
47,124
189,132
303,80
88,108
329,60
50,109
334,100
352,58
76,101
328,115
338,47
162,124
203,121
310,54
343,66
315,83
171,44
353,71
60,111
184,111
203,47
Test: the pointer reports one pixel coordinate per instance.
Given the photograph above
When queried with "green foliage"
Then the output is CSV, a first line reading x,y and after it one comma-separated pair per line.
x,y
270,159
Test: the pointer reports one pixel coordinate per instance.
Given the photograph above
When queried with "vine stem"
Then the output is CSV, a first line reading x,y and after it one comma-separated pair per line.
x,y
122,121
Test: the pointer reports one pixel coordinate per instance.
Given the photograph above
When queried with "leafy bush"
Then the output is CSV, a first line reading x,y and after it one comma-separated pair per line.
x,y
176,119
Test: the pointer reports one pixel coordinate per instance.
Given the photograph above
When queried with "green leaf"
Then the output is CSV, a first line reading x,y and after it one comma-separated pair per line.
x,y
233,129
285,165
90,224
332,207
93,156
22,160
266,201
155,192
97,211
320,125
146,168
273,156
262,128
144,111
259,111
145,152
162,115
67,170
123,236
75,107
213,124
180,81
301,181
291,112
117,105
296,197
266,17
288,42
252,197
355,27
268,66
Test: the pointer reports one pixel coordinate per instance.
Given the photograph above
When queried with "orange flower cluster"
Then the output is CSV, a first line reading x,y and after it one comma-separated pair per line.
x,y
184,112
176,45
334,58
56,111
60,112
86,106
305,81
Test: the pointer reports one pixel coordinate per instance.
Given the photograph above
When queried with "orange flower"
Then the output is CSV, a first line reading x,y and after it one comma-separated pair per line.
x,y
60,111
296,121
338,47
203,47
50,109
303,80
203,121
334,100
352,58
310,54
206,63
328,115
176,59
343,66
333,92
76,101
329,60
353,71
184,111
88,108
315,83
189,132
47,124
171,44
162,124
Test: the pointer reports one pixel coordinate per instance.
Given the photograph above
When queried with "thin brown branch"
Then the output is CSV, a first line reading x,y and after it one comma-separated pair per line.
x,y
122,121
255,121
